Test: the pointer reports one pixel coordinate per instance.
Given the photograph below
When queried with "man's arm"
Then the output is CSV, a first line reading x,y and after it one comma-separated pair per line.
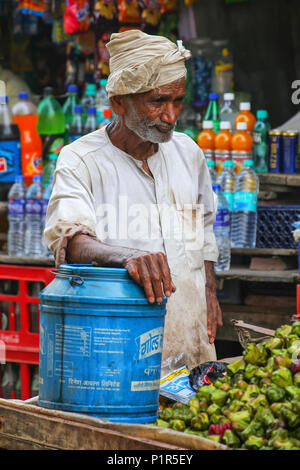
x,y
149,270
214,313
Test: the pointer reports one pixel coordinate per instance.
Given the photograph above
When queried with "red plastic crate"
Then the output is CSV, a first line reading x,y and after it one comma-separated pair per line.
x,y
22,345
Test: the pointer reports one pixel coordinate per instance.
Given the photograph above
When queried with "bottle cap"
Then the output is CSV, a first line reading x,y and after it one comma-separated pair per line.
x,y
3,99
78,109
91,89
37,179
48,90
23,95
262,114
225,125
241,126
53,156
228,96
107,113
91,110
210,163
72,88
213,96
245,106
103,82
228,163
19,179
248,163
207,124
216,187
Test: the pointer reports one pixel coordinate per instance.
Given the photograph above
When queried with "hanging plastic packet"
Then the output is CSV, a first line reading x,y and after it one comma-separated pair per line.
x,y
168,6
76,16
101,56
104,10
150,11
206,374
129,11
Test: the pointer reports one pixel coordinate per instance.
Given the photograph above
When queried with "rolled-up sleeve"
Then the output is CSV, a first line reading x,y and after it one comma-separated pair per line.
x,y
71,209
209,200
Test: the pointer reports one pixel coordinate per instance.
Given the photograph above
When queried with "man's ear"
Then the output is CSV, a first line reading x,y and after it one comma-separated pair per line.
x,y
118,104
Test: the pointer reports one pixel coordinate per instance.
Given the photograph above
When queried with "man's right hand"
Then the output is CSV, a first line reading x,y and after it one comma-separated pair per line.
x,y
151,271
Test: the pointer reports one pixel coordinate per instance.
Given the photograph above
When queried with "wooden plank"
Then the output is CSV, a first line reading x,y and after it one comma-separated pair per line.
x,y
29,424
26,260
280,179
260,302
273,263
260,319
61,433
264,251
291,276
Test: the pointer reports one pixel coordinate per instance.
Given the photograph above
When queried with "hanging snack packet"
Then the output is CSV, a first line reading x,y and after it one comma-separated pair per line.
x,y
168,6
104,9
150,11
129,11
76,16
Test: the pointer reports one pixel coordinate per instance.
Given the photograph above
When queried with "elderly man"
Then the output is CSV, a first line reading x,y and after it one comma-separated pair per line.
x,y
137,195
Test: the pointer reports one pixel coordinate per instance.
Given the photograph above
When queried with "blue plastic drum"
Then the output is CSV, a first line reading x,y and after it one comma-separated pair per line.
x,y
100,345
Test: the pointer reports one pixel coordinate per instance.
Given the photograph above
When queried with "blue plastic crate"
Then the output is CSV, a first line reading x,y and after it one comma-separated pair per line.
x,y
275,226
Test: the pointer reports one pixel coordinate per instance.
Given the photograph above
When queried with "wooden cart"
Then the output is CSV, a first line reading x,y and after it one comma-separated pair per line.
x,y
26,426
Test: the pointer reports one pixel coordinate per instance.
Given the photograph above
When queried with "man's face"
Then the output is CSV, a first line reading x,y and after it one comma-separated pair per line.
x,y
153,115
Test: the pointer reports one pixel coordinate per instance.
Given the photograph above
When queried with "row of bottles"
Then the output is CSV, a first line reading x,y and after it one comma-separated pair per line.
x,y
238,145
27,209
30,133
236,220
10,385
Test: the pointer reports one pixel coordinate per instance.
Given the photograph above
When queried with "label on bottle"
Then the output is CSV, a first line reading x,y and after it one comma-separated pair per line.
x,y
34,207
257,138
222,219
245,201
229,198
16,206
10,160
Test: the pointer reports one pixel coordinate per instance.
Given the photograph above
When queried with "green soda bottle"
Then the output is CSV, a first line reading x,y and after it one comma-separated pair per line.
x,y
261,142
213,111
51,124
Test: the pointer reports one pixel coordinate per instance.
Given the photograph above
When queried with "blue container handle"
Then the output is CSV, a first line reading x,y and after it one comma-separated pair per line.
x,y
74,279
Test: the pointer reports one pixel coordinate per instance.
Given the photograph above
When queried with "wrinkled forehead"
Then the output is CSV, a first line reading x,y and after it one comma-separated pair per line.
x,y
175,88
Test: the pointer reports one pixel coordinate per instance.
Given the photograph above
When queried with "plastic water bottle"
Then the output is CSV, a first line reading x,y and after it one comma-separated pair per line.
x,y
91,123
16,217
70,103
46,197
89,98
33,218
228,112
244,215
226,179
261,142
222,231
25,115
102,101
213,111
49,169
212,171
76,127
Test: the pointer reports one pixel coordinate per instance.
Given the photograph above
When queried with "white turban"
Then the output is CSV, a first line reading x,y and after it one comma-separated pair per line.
x,y
140,62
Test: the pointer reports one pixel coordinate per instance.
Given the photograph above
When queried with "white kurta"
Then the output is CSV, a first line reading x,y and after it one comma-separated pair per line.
x,y
100,190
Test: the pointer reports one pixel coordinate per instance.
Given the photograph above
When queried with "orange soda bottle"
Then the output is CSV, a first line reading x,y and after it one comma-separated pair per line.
x,y
242,145
223,145
246,116
206,140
